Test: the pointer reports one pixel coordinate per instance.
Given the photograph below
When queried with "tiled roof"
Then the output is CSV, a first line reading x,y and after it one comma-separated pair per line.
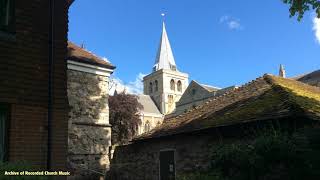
x,y
79,54
267,97
148,105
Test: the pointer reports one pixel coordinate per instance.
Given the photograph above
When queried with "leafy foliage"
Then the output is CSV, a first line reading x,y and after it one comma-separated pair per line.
x,y
124,117
301,6
271,156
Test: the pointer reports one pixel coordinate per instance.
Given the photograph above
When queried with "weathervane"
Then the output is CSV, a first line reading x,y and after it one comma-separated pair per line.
x,y
163,15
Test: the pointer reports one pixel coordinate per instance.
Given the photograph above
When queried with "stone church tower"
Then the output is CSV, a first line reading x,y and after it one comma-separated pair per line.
x,y
165,84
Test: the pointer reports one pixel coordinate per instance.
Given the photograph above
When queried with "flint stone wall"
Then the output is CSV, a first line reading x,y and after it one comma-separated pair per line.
x,y
88,129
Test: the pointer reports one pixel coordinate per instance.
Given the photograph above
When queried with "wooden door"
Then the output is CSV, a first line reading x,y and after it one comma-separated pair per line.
x,y
167,165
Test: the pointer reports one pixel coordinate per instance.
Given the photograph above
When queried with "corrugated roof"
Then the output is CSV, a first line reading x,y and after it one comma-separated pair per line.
x,y
148,104
264,98
79,54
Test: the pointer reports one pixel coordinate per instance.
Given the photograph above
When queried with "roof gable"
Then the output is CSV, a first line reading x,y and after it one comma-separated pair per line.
x,y
266,97
194,92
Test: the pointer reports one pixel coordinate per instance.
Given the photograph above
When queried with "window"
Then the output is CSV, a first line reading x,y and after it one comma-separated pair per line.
x,y
156,84
150,88
170,99
172,85
3,132
147,127
6,15
193,92
179,86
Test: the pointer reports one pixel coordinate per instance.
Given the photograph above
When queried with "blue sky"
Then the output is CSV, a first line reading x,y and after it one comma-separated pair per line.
x,y
220,43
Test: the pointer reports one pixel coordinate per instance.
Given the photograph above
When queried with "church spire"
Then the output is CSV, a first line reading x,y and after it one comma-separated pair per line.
x,y
164,59
282,72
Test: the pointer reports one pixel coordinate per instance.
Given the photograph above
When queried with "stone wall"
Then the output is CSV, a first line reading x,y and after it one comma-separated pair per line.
x,y
140,160
89,130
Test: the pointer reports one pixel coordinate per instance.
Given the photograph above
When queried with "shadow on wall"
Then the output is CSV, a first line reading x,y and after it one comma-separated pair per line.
x,y
88,128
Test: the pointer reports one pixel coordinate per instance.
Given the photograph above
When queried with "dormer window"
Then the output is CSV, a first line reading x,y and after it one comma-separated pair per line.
x,y
6,15
173,67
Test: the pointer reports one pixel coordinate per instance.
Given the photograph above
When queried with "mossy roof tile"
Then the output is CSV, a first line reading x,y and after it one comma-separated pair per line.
x,y
267,97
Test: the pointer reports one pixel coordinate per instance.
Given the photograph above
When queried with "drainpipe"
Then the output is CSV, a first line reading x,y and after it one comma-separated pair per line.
x,y
50,82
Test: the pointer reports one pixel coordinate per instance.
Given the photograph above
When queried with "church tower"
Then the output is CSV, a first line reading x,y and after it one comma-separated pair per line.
x,y
165,84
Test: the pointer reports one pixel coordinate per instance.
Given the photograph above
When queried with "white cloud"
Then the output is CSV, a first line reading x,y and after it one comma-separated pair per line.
x,y
316,28
133,87
231,22
234,25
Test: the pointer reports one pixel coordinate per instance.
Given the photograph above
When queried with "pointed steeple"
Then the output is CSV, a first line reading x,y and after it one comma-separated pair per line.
x,y
164,59
282,72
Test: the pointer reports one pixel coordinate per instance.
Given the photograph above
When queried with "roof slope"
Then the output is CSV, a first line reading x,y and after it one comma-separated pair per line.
x,y
148,105
79,54
312,78
264,98
209,88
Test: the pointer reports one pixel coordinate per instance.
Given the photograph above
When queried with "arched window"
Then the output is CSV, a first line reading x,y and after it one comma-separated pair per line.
x,y
172,85
170,99
156,84
179,86
147,126
150,87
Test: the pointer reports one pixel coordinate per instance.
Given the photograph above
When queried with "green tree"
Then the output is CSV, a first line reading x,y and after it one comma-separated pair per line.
x,y
124,117
299,7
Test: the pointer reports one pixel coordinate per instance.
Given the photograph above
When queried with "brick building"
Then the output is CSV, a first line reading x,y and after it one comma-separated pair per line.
x,y
33,93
